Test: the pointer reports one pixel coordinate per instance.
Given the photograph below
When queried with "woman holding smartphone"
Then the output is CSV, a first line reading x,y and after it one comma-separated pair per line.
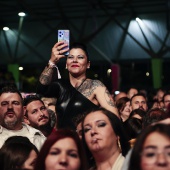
x,y
79,93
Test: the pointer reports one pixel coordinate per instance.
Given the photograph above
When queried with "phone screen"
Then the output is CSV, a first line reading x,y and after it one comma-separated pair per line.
x,y
64,35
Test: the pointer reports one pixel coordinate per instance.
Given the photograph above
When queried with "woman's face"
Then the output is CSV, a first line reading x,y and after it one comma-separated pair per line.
x,y
30,162
77,63
99,134
126,111
156,152
63,155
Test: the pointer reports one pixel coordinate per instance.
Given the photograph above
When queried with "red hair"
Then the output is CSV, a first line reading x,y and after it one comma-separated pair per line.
x,y
53,138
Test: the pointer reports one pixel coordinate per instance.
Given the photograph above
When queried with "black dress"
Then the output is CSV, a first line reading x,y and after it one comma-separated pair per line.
x,y
70,102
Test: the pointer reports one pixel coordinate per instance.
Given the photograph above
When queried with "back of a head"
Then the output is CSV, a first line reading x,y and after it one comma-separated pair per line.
x,y
53,118
154,115
15,152
120,95
133,127
17,139
139,112
131,92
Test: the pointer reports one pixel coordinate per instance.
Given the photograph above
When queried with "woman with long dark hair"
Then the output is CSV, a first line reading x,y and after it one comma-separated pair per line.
x,y
104,137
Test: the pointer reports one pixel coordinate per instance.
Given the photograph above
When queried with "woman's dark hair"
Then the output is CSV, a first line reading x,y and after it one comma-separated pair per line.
x,y
116,125
53,138
15,152
134,163
121,103
81,46
139,112
133,127
154,115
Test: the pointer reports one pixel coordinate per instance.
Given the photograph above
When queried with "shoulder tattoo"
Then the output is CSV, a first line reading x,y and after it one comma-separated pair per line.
x,y
89,86
109,98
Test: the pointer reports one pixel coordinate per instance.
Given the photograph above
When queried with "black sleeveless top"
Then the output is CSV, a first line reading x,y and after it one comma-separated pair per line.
x,y
70,102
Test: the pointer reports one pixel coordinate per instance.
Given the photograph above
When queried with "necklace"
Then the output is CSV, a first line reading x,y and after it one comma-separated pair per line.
x,y
80,84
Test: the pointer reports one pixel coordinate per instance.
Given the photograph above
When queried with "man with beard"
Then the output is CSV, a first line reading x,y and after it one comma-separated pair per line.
x,y
37,115
139,101
11,117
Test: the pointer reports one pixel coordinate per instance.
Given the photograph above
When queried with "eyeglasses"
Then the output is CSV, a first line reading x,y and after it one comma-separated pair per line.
x,y
151,156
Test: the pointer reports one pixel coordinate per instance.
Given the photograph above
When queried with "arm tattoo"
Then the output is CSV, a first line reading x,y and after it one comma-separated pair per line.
x,y
110,100
46,76
89,86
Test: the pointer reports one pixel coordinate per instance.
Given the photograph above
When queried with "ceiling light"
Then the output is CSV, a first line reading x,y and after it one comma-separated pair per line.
x,y
21,14
20,68
117,92
109,71
147,73
5,28
95,75
138,20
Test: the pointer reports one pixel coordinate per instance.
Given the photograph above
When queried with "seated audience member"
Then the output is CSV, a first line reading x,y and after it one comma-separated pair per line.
x,y
149,119
131,92
138,113
120,95
78,124
166,100
62,150
168,109
53,118
11,117
133,127
154,104
143,91
152,148
105,138
49,102
159,94
154,115
36,114
24,94
18,153
124,108
139,101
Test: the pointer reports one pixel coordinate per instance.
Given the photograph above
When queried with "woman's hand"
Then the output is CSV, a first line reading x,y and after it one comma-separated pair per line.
x,y
58,51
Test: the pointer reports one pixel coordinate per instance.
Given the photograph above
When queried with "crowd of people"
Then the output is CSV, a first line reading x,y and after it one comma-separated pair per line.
x,y
77,124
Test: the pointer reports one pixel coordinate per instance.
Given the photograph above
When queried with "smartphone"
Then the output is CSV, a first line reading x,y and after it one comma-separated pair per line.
x,y
64,35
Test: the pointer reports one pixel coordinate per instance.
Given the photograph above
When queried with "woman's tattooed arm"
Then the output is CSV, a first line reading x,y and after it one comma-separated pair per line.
x,y
46,75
